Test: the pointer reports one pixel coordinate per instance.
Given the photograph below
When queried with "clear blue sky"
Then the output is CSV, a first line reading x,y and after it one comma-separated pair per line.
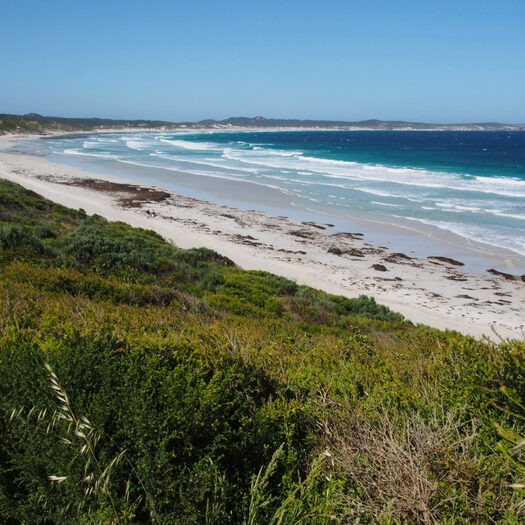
x,y
425,60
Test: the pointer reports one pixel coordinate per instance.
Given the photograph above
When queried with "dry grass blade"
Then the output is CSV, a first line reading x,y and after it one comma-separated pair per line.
x,y
57,479
89,439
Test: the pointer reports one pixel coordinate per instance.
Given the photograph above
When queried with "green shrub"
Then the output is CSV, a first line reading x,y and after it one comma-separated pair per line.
x,y
94,246
14,236
197,256
367,307
43,231
184,423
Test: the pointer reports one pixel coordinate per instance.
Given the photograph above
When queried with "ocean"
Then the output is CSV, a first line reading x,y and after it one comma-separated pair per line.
x,y
466,184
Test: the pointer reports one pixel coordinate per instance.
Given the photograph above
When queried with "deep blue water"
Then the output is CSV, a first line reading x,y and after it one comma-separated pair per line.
x,y
473,152
466,182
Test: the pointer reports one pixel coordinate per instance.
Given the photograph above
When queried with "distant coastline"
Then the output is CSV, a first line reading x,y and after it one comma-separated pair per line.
x,y
36,123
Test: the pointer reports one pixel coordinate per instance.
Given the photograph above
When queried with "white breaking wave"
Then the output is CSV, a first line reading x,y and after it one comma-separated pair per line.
x,y
459,208
479,234
101,155
90,144
204,162
353,171
195,146
508,215
478,207
386,204
380,193
138,145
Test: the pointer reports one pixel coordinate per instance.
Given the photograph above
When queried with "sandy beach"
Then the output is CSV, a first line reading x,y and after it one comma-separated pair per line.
x,y
435,290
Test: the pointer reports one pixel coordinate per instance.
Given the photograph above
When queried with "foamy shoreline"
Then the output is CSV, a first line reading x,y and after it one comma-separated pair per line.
x,y
426,291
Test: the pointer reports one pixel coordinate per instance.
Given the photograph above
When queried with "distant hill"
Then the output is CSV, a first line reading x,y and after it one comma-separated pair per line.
x,y
36,123
262,122
94,122
33,123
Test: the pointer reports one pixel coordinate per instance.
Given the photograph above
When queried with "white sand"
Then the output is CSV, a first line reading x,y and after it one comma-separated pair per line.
x,y
423,290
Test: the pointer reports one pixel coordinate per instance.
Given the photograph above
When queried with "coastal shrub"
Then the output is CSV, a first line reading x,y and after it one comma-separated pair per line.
x,y
94,246
197,256
402,465
14,236
233,396
43,231
113,290
187,425
317,306
366,306
24,207
254,292
8,203
512,447
311,306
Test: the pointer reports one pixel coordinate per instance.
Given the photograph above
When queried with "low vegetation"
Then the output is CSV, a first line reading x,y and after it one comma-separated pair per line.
x,y
35,123
141,383
29,124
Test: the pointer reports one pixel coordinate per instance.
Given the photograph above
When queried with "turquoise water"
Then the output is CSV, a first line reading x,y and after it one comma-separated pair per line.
x,y
471,184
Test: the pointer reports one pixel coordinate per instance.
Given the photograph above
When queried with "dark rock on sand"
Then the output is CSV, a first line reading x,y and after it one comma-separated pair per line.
x,y
348,235
455,278
301,233
246,239
397,258
507,276
379,267
353,252
400,255
446,260
315,225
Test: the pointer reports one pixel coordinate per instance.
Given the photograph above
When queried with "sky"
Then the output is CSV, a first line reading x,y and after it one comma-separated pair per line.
x,y
424,60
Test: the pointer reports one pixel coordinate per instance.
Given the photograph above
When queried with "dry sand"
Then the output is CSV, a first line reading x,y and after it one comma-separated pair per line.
x,y
435,292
